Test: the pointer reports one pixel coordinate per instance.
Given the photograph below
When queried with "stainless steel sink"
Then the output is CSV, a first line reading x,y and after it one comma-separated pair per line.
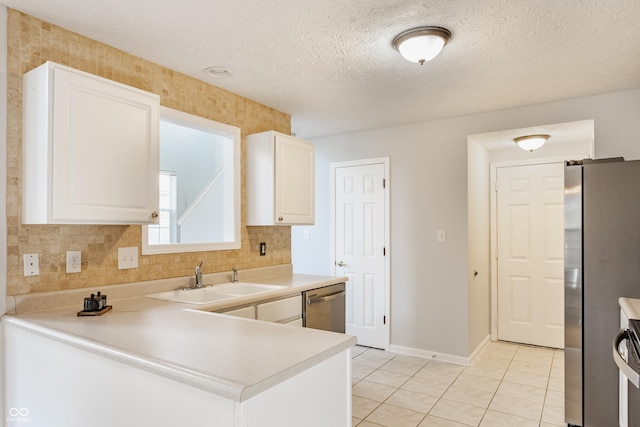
x,y
214,293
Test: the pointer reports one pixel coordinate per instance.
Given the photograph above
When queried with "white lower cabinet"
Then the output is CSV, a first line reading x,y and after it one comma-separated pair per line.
x,y
287,311
245,312
296,322
75,392
281,311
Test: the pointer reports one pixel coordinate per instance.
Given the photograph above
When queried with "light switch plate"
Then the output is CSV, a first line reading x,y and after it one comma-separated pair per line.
x,y
442,236
74,261
31,264
127,258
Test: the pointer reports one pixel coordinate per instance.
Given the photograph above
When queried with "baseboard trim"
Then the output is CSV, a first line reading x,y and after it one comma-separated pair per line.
x,y
426,354
442,357
485,342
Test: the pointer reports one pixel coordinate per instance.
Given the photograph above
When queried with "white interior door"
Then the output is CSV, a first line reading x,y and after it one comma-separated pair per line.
x,y
530,227
359,250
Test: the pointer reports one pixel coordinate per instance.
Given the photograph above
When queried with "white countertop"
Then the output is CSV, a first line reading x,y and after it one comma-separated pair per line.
x,y
231,357
630,307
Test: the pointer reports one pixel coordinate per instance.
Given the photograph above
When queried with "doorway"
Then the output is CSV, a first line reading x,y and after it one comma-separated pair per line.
x,y
360,246
486,153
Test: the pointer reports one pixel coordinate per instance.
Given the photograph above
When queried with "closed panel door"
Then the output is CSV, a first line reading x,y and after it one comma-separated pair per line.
x,y
360,252
531,254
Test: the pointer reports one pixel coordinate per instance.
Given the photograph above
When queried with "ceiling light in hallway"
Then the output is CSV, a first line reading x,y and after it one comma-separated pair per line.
x,y
531,142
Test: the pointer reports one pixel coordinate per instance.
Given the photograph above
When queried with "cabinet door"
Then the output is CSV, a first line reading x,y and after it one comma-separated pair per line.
x,y
105,150
283,310
90,149
245,312
294,181
296,322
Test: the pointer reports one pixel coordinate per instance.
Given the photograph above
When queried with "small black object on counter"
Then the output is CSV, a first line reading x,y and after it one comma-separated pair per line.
x,y
95,305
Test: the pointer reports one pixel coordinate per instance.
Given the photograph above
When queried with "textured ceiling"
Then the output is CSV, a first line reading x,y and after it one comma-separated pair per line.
x,y
330,63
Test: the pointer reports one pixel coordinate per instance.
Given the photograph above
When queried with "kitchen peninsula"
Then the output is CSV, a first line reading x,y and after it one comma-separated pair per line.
x,y
153,362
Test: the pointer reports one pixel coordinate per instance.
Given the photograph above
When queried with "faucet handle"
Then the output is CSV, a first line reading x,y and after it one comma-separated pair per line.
x,y
199,267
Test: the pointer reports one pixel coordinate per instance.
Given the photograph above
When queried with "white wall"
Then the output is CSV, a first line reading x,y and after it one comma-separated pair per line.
x,y
479,244
430,282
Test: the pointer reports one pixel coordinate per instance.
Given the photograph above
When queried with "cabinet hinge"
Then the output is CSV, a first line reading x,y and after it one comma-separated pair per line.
x,y
384,183
495,186
384,320
384,251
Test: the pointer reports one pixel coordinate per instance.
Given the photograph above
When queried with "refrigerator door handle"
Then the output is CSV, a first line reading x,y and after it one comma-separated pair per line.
x,y
626,370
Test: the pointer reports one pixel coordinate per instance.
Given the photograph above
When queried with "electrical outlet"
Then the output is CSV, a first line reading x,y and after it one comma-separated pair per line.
x,y
74,261
263,248
31,264
127,258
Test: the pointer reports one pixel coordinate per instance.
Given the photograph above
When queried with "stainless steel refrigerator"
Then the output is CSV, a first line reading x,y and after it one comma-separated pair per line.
x,y
602,263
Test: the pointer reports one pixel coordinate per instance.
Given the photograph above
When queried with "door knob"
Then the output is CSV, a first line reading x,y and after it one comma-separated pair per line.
x,y
341,264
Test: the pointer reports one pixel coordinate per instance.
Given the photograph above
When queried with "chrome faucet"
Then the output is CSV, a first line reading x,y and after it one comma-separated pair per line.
x,y
199,275
235,275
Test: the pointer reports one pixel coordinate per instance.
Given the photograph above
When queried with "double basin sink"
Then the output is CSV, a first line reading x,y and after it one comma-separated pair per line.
x,y
214,293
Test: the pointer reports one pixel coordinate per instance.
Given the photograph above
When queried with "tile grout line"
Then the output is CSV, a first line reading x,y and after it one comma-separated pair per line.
x,y
396,388
412,376
499,384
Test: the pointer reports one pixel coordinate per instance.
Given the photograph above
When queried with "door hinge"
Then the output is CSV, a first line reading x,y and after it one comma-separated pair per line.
x,y
384,183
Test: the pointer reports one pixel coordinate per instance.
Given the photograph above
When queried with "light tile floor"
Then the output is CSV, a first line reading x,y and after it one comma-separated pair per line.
x,y
507,385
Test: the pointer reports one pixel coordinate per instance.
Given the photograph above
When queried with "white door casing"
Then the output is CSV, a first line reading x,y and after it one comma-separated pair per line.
x,y
530,254
360,245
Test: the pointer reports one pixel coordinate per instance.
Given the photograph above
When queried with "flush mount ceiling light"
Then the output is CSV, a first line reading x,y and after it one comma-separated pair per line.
x,y
218,72
531,142
421,44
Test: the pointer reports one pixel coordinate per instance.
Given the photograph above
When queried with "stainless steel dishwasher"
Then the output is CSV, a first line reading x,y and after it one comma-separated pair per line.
x,y
324,308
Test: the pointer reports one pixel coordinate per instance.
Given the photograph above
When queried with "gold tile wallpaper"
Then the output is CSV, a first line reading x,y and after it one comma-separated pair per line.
x,y
31,42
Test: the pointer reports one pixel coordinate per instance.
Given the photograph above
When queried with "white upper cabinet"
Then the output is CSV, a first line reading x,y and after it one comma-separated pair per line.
x,y
90,149
280,180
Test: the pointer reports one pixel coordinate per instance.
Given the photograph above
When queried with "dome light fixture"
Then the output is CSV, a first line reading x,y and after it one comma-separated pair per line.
x,y
531,142
421,44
